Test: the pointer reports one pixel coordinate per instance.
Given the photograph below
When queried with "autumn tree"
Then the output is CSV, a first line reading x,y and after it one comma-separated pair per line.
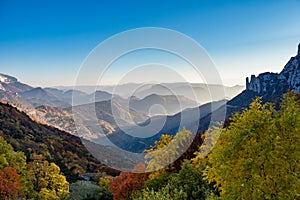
x,y
187,183
257,156
126,184
10,183
12,166
167,150
47,180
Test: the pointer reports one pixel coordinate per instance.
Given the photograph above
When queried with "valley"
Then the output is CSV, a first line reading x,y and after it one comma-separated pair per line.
x,y
150,100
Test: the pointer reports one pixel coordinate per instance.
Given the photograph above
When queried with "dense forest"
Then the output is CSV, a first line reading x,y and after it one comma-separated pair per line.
x,y
31,149
256,156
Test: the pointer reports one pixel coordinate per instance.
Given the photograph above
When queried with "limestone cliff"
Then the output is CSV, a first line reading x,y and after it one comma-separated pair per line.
x,y
287,79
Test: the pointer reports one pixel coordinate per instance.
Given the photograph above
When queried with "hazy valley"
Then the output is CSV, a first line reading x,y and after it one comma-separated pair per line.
x,y
150,100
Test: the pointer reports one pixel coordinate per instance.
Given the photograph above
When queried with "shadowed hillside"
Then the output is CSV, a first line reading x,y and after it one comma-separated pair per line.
x,y
64,149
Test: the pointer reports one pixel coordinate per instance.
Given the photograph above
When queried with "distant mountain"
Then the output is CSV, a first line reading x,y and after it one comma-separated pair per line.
x,y
109,111
54,91
99,96
109,115
198,92
37,93
67,96
269,86
9,89
38,96
12,85
77,97
12,90
169,104
187,93
131,138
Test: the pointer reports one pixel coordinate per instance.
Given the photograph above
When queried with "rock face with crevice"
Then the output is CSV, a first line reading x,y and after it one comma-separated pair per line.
x,y
287,79
269,86
291,72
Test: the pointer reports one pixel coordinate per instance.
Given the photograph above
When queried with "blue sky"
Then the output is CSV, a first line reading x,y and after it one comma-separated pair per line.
x,y
43,43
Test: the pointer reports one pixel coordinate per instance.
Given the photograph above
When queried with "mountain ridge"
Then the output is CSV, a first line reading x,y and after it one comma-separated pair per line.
x,y
171,104
270,87
66,150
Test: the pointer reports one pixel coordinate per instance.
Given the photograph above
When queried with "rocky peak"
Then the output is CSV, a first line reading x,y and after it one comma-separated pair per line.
x,y
287,79
7,79
9,84
291,72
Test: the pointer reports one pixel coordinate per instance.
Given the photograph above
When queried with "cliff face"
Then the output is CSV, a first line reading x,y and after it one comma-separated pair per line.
x,y
287,79
291,72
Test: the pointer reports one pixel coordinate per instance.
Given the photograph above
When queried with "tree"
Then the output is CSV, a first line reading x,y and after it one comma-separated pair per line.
x,y
158,181
8,157
88,190
187,184
104,192
12,168
257,156
127,183
154,154
10,183
163,194
167,150
47,180
190,182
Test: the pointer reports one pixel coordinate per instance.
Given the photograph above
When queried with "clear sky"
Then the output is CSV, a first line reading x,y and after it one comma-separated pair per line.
x,y
43,43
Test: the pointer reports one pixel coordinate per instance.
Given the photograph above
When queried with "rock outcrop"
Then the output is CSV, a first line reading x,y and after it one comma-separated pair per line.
x,y
287,79
7,79
291,72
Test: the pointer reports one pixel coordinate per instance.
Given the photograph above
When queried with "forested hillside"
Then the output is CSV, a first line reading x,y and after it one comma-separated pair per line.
x,y
56,146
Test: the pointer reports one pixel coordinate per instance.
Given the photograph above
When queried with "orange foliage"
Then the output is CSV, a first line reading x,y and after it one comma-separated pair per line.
x,y
10,183
126,183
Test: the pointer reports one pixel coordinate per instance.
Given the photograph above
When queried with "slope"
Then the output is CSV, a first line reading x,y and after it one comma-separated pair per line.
x,y
64,149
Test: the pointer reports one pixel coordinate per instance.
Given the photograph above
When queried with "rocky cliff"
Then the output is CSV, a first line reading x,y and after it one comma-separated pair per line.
x,y
287,79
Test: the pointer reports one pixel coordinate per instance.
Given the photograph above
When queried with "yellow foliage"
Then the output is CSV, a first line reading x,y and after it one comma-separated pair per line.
x,y
257,156
167,150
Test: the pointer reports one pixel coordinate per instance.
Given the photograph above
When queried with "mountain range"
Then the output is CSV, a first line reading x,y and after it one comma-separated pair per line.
x,y
53,106
121,117
198,92
168,104
270,87
144,96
